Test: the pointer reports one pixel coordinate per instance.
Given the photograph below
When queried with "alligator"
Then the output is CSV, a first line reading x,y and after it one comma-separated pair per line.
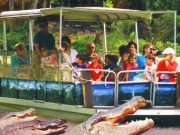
x,y
14,117
105,123
35,127
102,123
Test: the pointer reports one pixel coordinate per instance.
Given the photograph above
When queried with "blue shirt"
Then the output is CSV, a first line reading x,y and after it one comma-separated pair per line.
x,y
141,61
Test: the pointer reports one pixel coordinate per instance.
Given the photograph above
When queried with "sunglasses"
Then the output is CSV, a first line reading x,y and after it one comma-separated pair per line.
x,y
91,47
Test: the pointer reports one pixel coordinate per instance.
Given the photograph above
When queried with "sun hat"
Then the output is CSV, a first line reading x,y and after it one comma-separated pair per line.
x,y
19,46
169,51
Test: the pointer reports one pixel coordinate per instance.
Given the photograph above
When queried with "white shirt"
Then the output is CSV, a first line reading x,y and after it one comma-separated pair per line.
x,y
71,58
149,76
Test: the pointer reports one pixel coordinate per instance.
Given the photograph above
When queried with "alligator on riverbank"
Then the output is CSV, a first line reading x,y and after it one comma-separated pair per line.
x,y
103,123
106,123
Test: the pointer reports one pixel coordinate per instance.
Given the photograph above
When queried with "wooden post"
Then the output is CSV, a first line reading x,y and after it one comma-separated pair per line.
x,y
87,90
178,90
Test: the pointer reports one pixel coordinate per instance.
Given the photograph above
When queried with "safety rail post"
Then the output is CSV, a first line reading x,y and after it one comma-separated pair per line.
x,y
84,80
178,89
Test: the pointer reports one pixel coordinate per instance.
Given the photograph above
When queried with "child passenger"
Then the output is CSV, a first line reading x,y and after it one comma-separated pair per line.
x,y
54,58
150,67
95,75
132,65
111,64
45,58
79,61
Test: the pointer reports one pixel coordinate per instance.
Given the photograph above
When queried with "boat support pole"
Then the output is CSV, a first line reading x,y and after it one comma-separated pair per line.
x,y
4,43
105,40
175,31
31,39
31,35
136,36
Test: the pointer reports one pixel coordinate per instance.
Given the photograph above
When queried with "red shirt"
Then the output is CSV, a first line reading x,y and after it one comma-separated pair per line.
x,y
172,66
95,74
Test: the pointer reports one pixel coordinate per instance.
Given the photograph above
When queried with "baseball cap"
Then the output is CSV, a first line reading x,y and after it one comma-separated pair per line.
x,y
169,51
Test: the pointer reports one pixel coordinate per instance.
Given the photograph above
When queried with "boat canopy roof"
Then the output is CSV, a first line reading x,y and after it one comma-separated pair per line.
x,y
89,14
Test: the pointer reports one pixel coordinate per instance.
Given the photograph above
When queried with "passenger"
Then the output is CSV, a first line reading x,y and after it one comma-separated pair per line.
x,y
20,58
44,39
150,66
148,49
80,62
111,64
45,58
69,53
90,49
95,75
124,66
125,60
54,58
132,49
167,64
133,65
122,50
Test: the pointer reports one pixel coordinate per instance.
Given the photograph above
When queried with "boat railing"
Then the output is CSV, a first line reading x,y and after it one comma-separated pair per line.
x,y
164,93
104,91
138,86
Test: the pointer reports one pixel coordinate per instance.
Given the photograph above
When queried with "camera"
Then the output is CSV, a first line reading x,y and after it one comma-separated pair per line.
x,y
155,52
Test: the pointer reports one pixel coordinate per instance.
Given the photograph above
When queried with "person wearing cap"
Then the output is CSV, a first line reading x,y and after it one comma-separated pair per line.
x,y
19,58
95,75
167,64
44,39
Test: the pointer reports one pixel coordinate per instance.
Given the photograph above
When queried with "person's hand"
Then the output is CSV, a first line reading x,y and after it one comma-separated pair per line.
x,y
168,57
59,48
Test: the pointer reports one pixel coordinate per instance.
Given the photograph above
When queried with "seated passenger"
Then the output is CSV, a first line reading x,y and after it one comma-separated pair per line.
x,y
132,49
90,49
167,64
19,58
45,58
122,50
132,65
79,62
124,66
150,66
54,58
95,75
111,64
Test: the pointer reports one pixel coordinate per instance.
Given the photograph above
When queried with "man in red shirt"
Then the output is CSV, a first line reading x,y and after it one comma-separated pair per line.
x,y
167,64
95,75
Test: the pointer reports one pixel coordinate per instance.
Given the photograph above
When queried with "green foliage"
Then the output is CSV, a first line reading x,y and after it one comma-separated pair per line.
x,y
20,34
55,3
107,3
80,43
